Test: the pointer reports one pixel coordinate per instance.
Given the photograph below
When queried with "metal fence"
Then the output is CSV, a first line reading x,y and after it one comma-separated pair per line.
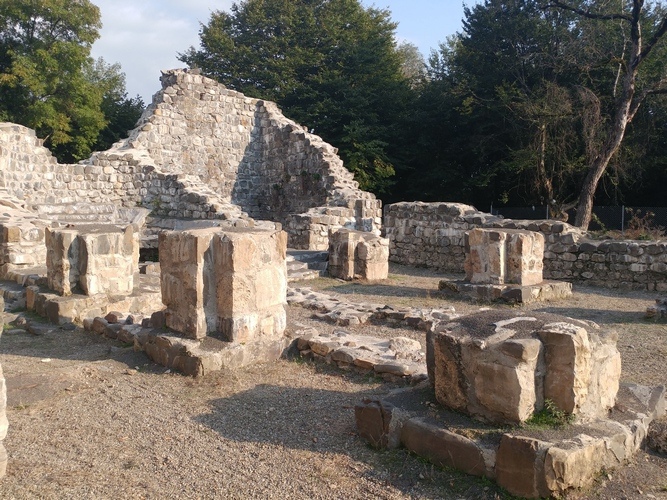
x,y
613,218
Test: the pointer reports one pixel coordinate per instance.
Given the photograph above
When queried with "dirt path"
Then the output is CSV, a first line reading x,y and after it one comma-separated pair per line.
x,y
91,418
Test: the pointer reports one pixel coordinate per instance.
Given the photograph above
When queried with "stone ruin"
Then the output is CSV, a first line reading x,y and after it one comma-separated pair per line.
x,y
502,367
211,178
506,264
200,156
357,254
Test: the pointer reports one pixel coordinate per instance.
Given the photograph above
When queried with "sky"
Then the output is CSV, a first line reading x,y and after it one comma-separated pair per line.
x,y
146,36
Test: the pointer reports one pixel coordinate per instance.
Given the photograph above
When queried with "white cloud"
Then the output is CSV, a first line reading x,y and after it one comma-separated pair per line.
x,y
145,37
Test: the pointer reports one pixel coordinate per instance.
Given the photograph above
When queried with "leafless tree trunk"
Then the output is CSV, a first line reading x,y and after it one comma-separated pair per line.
x,y
627,103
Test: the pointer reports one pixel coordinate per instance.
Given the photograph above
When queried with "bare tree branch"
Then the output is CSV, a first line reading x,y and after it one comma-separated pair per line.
x,y
662,29
587,13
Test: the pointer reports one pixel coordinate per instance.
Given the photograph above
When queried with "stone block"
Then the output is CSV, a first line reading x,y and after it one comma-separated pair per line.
x,y
520,466
502,366
379,423
4,424
231,281
502,256
95,259
443,447
357,254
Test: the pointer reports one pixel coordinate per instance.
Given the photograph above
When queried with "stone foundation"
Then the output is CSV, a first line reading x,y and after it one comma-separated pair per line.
x,y
231,282
356,254
529,464
94,259
502,367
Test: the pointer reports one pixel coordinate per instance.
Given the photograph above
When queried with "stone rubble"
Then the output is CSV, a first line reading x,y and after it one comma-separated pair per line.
x,y
338,312
658,310
395,359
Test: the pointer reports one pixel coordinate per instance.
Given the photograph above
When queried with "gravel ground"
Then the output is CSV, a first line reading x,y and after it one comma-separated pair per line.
x,y
91,418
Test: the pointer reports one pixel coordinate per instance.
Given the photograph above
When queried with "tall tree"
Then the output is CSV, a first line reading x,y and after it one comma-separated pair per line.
x,y
330,64
44,51
120,111
632,86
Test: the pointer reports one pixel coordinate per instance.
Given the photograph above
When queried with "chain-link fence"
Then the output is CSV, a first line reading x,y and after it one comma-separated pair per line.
x,y
613,218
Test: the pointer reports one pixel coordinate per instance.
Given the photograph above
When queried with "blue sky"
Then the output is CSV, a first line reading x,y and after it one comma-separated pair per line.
x,y
145,36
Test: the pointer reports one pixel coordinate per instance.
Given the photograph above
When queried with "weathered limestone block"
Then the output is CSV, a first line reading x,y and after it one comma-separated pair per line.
x,y
186,270
502,256
520,466
93,258
500,367
358,254
231,281
252,284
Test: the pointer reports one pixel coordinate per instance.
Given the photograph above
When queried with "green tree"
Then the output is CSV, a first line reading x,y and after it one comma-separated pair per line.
x,y
538,95
44,52
640,65
120,111
330,64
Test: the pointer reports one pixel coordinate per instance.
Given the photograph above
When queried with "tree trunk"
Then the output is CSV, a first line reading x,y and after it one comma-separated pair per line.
x,y
625,111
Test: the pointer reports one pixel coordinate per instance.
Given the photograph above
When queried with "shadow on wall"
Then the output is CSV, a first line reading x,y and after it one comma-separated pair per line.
x,y
281,173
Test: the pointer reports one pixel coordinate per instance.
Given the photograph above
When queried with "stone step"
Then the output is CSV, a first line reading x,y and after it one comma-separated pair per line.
x,y
309,274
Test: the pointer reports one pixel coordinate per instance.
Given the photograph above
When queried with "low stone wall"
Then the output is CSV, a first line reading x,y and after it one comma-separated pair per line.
x,y
433,235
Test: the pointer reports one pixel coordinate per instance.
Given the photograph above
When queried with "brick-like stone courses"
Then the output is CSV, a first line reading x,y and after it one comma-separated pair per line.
x,y
199,151
432,235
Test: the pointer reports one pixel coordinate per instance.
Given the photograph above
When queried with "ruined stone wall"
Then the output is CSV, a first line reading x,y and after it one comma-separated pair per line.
x,y
432,235
199,151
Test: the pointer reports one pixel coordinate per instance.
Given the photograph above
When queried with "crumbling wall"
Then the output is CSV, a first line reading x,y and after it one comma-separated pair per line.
x,y
432,235
199,151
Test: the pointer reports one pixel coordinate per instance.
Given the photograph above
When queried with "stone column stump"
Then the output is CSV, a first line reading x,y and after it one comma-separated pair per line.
x,y
232,282
358,254
95,259
496,256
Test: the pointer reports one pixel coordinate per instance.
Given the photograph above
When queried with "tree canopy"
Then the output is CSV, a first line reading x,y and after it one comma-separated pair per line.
x,y
332,65
48,81
536,98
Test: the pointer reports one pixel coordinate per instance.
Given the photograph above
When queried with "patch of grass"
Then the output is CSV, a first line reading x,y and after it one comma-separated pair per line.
x,y
549,417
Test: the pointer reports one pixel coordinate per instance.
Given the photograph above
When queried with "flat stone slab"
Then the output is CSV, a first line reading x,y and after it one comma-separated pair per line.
x,y
528,462
515,294
339,312
394,359
76,308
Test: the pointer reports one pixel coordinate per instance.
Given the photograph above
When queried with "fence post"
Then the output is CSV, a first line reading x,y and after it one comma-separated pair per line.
x,y
622,219
547,211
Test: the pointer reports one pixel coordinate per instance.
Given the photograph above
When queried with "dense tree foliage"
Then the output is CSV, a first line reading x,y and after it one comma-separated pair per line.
x,y
331,65
530,102
48,80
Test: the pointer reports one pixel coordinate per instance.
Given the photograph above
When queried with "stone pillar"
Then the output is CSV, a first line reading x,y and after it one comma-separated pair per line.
x,y
358,254
232,282
503,256
97,259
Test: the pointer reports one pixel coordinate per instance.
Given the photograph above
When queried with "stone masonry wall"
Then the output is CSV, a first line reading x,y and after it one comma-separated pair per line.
x,y
432,235
199,151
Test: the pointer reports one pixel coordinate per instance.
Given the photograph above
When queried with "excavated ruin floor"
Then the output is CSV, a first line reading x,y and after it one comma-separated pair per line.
x,y
92,418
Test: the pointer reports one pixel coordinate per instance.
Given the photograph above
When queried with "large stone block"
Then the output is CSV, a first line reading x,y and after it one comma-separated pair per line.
x,y
358,254
95,259
232,282
501,366
502,256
